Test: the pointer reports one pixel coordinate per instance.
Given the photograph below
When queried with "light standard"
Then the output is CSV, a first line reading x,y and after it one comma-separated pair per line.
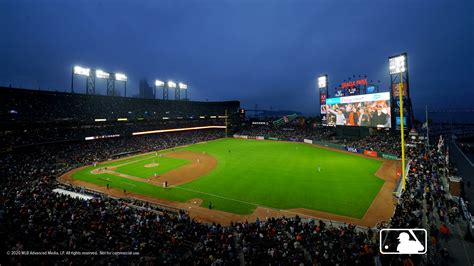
x,y
172,85
158,83
184,87
81,71
398,65
122,77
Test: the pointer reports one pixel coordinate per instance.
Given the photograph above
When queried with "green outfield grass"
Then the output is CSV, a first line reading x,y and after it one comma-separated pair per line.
x,y
280,175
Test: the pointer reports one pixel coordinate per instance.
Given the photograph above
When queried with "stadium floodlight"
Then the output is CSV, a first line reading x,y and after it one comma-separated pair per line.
x,y
82,71
183,86
397,64
171,84
323,81
159,83
120,77
102,74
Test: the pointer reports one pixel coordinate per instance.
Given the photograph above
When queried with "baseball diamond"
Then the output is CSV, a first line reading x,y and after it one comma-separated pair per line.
x,y
244,177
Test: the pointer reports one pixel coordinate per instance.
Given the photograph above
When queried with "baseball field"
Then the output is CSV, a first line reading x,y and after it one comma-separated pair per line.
x,y
240,176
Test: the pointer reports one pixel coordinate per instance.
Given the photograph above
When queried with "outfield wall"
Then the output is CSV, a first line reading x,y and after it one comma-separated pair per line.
x,y
327,144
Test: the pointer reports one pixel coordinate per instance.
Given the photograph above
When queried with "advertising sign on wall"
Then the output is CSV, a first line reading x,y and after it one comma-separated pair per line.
x,y
370,153
352,149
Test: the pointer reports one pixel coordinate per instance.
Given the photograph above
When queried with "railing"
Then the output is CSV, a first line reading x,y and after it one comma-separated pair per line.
x,y
97,193
467,215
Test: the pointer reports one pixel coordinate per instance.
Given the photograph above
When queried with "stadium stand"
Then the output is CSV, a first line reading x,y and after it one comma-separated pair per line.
x,y
46,106
34,217
30,117
296,132
383,142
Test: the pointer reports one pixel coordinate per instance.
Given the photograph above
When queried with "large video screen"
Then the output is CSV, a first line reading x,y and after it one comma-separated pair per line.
x,y
367,110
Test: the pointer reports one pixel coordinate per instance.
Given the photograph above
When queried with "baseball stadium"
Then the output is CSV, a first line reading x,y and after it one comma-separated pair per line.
x,y
234,135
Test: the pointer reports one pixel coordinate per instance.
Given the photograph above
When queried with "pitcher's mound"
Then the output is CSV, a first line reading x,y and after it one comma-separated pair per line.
x,y
195,201
150,165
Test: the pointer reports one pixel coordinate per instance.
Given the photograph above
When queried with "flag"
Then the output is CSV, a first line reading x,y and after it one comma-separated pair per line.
x,y
447,155
440,143
425,125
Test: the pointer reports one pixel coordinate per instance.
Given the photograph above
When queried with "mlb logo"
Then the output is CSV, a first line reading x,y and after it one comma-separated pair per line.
x,y
403,241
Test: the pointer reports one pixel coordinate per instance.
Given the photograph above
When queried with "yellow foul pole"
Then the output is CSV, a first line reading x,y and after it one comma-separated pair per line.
x,y
402,130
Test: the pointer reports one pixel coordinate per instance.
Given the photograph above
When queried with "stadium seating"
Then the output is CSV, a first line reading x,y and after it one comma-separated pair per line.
x,y
34,217
30,117
46,106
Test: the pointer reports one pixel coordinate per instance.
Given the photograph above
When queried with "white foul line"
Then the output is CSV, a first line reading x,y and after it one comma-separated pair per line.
x,y
222,197
258,205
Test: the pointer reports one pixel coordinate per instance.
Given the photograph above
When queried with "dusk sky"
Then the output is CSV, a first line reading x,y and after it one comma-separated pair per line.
x,y
265,52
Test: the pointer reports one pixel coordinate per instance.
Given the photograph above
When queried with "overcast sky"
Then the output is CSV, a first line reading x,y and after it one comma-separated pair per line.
x,y
265,52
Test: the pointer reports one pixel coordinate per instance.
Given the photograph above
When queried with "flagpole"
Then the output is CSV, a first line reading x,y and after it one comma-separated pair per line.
x,y
427,126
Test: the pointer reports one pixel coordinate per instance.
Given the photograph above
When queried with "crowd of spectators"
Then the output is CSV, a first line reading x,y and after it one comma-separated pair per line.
x,y
288,132
386,142
47,106
38,135
29,117
35,218
426,204
293,241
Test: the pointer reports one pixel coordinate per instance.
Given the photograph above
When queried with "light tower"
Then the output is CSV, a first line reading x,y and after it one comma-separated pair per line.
x,y
169,84
100,74
159,84
122,77
184,87
92,74
80,71
398,69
